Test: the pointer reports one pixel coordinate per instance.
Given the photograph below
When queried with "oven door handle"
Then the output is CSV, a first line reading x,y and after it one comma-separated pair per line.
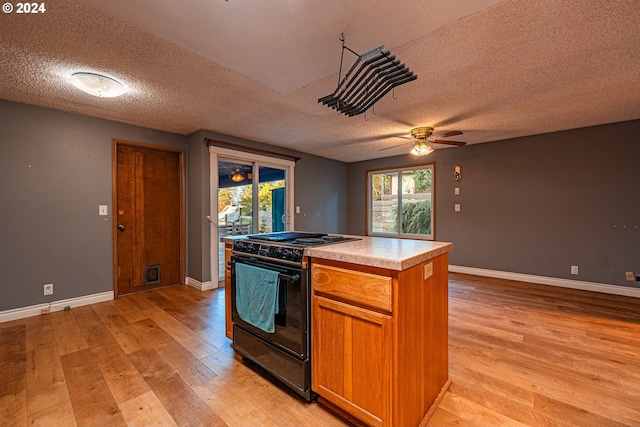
x,y
289,278
267,259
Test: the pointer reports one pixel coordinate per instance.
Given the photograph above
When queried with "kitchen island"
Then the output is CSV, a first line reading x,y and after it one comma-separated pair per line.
x,y
380,328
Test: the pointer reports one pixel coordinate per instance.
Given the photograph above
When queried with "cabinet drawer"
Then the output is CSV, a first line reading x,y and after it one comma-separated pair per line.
x,y
366,289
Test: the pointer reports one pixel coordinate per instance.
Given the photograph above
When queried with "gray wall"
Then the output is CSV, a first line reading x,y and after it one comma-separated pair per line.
x,y
319,189
532,205
55,169
198,228
535,205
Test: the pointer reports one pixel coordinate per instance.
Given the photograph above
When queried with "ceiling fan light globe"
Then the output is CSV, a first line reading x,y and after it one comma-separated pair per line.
x,y
422,149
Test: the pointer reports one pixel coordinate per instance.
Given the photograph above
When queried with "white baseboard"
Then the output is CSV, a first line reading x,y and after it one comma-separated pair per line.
x,y
36,310
201,286
553,281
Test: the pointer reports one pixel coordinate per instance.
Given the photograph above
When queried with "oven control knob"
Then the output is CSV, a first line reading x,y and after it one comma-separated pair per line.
x,y
293,255
284,253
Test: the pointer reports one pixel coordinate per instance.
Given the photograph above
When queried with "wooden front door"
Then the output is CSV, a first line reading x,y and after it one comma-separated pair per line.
x,y
148,217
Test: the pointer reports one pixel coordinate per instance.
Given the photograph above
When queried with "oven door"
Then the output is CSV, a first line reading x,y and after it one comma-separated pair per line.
x,y
292,319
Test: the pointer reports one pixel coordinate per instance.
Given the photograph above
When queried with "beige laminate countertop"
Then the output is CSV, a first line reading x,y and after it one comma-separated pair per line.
x,y
384,252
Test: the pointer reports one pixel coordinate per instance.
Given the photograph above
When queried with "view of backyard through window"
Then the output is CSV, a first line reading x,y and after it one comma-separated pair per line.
x,y
401,202
235,206
236,186
240,212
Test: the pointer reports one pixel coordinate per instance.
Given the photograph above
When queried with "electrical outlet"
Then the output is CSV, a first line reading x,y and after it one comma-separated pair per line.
x,y
630,276
428,270
574,269
48,289
456,207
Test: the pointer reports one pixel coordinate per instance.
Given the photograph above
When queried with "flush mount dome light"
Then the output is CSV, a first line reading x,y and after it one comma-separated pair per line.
x,y
97,85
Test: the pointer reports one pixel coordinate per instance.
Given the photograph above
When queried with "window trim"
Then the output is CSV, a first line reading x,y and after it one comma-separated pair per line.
x,y
369,202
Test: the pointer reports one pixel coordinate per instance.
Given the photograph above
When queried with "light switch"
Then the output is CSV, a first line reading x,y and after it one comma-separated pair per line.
x,y
457,207
102,209
297,209
456,191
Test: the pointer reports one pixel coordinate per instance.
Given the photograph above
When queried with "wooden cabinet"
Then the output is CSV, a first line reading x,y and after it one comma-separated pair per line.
x,y
379,339
352,358
227,291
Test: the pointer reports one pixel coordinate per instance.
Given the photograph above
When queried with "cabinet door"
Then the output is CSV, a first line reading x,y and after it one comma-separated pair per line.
x,y
351,363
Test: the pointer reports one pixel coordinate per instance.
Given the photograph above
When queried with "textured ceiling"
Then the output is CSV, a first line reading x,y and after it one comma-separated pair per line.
x,y
255,70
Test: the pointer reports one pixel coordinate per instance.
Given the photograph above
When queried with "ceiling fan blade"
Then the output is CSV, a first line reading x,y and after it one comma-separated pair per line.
x,y
394,146
442,141
402,137
448,133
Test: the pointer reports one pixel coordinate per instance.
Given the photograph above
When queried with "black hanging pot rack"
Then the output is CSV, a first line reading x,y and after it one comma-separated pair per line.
x,y
371,77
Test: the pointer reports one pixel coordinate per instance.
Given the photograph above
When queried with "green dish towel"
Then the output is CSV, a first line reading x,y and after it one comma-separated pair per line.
x,y
257,296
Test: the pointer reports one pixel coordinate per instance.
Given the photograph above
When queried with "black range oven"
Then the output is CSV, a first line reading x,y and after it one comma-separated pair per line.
x,y
283,346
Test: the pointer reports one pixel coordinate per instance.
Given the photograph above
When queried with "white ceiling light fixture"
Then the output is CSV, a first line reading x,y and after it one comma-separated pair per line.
x,y
98,85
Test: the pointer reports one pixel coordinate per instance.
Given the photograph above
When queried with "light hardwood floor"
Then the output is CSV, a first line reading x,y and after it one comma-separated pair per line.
x,y
519,355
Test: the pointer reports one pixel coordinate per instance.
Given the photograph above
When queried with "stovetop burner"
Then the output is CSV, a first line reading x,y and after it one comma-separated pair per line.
x,y
309,241
286,236
286,245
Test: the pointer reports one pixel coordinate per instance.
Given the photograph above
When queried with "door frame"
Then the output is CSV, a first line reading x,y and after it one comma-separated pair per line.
x,y
114,203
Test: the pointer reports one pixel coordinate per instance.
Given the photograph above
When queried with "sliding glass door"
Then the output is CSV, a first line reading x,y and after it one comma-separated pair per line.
x,y
237,210
251,194
272,201
235,197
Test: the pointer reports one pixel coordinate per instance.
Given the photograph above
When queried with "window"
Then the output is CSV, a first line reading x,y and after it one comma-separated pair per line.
x,y
400,202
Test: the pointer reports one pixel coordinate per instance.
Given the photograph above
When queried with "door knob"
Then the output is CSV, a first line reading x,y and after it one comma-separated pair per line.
x,y
120,227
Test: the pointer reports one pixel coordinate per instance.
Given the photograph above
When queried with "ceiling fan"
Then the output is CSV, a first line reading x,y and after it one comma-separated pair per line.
x,y
424,137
